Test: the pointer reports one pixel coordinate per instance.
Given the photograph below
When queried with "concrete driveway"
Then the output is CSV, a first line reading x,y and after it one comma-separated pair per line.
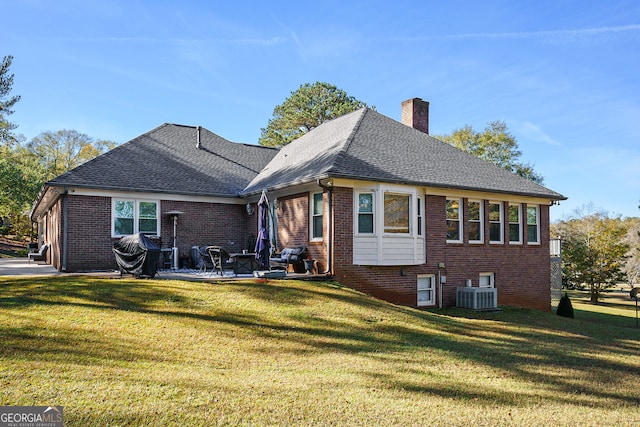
x,y
22,267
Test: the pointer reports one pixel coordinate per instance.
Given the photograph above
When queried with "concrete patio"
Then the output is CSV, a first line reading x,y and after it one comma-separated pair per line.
x,y
22,267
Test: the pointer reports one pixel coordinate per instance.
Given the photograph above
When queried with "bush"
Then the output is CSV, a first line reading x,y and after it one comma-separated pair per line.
x,y
565,309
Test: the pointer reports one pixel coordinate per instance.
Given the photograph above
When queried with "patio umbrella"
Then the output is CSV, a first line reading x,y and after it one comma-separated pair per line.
x,y
273,225
262,241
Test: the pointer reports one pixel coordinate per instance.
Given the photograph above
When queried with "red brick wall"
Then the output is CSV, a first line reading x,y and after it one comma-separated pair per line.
x,y
293,227
415,113
89,241
521,271
204,224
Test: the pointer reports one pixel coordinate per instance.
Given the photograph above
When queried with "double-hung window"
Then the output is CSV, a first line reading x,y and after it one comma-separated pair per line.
x,y
365,213
316,216
454,221
476,220
419,224
426,289
515,224
495,222
533,226
132,216
396,213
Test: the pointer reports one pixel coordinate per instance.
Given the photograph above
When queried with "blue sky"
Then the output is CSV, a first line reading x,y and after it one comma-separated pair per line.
x,y
563,75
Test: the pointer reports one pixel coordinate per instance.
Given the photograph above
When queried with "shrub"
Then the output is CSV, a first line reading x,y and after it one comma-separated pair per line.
x,y
565,309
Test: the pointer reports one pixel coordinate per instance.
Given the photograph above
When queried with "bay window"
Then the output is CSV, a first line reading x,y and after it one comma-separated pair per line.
x,y
388,224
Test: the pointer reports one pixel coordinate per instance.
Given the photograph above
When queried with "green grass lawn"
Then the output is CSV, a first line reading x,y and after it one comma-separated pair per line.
x,y
173,353
614,308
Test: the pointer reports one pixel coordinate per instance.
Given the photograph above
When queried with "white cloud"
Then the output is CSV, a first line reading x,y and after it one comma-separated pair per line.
x,y
552,35
531,131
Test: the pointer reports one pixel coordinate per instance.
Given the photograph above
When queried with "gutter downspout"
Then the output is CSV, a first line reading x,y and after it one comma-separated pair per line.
x,y
64,229
329,226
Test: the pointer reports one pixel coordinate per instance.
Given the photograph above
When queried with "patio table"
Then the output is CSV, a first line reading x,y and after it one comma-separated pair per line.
x,y
245,263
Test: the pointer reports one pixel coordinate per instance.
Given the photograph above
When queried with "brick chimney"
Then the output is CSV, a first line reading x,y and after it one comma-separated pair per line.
x,y
415,113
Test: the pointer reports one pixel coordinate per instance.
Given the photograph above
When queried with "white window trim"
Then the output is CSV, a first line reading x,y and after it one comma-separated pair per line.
x,y
519,241
501,241
419,216
491,277
481,213
136,211
356,201
460,217
312,204
432,278
537,207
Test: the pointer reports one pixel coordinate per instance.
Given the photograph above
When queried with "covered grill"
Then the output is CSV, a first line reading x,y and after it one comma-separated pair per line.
x,y
138,255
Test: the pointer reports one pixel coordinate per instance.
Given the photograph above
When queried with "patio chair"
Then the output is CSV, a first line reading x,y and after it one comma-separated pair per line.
x,y
220,259
40,255
291,255
203,260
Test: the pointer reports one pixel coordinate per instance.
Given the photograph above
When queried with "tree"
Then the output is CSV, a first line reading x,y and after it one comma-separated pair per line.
x,y
20,180
306,108
6,102
61,151
25,168
594,251
495,145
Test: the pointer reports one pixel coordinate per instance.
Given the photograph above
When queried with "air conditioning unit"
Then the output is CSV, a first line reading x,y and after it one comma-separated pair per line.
x,y
477,298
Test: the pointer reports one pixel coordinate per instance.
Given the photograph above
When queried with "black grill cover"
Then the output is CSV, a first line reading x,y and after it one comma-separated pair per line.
x,y
138,255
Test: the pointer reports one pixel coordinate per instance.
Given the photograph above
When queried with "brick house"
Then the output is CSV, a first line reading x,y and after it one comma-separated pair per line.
x,y
380,205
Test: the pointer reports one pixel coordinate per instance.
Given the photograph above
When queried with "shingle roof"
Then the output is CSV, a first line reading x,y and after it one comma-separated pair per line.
x,y
166,160
367,145
362,145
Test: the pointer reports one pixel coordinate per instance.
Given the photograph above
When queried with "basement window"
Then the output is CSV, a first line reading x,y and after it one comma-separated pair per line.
x,y
426,289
